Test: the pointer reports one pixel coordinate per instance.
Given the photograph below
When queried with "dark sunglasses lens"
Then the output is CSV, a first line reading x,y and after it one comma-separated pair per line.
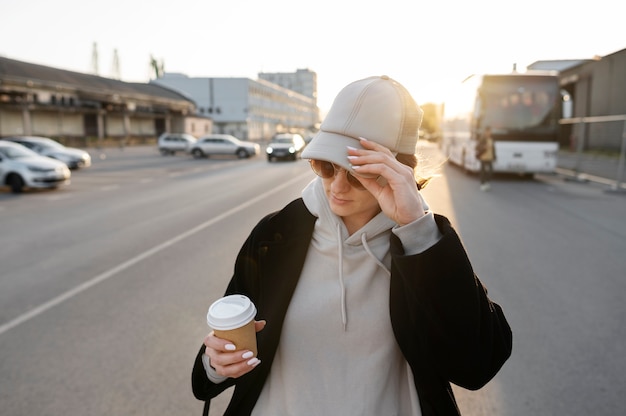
x,y
323,169
327,170
354,181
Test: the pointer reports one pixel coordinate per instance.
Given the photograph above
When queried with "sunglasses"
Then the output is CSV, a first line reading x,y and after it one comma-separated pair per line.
x,y
327,170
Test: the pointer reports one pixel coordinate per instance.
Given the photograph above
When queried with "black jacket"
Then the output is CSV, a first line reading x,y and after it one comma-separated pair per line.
x,y
445,324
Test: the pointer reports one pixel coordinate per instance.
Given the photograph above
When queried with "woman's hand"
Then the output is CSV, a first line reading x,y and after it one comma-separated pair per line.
x,y
226,359
395,188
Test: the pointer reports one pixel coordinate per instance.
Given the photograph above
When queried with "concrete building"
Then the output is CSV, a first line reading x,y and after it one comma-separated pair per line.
x,y
248,109
82,108
597,88
303,81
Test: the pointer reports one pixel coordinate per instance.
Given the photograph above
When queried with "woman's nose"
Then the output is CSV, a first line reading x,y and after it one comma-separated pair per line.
x,y
340,181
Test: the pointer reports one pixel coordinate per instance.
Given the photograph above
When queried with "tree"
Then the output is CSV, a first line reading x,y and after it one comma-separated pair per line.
x,y
157,67
431,123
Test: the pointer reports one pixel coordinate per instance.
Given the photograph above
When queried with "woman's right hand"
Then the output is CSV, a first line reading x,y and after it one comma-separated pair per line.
x,y
226,359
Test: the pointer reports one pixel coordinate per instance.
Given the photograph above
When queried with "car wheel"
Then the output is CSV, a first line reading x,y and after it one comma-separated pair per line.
x,y
270,159
164,152
242,154
16,183
197,153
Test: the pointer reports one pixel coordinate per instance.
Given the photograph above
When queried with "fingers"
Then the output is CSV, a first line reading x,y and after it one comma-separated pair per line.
x,y
378,160
234,364
371,145
259,325
226,359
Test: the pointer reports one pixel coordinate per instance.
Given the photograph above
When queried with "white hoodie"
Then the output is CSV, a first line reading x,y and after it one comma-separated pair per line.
x,y
337,353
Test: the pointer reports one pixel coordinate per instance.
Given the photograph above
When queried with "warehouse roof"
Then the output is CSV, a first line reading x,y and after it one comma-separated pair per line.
x,y
18,72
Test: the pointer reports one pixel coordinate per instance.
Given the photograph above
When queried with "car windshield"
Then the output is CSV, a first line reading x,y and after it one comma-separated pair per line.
x,y
283,140
16,152
50,144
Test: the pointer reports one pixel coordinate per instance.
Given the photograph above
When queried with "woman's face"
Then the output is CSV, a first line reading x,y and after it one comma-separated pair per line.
x,y
355,206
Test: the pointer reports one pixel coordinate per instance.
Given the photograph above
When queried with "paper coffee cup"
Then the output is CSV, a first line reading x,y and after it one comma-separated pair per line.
x,y
232,318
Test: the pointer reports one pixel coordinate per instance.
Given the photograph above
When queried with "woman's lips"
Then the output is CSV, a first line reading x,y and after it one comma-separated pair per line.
x,y
339,200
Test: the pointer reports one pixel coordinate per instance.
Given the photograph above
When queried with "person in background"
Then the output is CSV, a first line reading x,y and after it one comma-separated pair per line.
x,y
367,303
486,154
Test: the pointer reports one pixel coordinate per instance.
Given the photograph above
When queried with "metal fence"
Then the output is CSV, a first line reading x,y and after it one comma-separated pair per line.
x,y
582,121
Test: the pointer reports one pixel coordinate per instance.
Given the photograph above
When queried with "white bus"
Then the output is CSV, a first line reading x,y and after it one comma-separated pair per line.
x,y
523,110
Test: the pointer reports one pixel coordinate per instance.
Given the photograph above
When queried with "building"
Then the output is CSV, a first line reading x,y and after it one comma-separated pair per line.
x,y
597,88
82,108
249,109
303,81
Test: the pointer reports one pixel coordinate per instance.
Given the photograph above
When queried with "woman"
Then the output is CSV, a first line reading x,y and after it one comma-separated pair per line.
x,y
367,302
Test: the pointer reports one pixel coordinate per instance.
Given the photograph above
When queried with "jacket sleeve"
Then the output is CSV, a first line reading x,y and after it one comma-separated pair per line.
x,y
202,387
442,315
245,280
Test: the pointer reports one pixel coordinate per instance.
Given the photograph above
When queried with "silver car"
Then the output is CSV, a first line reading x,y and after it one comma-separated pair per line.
x,y
170,143
224,144
22,168
74,158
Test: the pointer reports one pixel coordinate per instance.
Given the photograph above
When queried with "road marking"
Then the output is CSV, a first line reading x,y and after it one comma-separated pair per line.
x,y
131,262
586,177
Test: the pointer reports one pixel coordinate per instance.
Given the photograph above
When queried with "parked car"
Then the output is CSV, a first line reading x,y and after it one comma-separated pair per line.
x,y
285,146
170,143
224,144
22,168
74,158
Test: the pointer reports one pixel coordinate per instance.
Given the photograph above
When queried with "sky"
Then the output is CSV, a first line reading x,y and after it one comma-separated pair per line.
x,y
428,46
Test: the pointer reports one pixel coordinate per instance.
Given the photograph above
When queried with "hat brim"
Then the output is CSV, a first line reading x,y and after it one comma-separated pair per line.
x,y
333,147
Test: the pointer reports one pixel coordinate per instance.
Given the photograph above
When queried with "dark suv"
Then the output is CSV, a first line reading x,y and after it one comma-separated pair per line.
x,y
285,146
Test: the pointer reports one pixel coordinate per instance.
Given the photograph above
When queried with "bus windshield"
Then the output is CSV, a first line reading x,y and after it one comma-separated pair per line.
x,y
518,103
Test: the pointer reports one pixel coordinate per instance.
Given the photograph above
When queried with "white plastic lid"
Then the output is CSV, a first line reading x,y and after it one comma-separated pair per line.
x,y
230,312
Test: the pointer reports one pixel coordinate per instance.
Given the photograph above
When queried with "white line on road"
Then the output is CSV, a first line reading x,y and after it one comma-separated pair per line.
x,y
131,262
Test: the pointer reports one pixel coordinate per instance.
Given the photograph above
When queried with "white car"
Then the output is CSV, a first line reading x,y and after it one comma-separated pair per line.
x,y
22,168
73,157
224,144
170,143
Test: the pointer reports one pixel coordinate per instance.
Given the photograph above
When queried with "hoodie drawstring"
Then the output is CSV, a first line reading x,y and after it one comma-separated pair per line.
x,y
369,251
344,309
344,318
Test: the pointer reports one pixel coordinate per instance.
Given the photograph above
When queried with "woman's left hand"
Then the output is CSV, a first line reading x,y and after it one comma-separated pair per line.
x,y
395,188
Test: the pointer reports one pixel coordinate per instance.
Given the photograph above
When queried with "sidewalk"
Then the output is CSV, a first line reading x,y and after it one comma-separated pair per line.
x,y
588,167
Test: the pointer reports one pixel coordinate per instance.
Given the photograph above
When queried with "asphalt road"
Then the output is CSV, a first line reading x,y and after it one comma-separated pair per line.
x,y
104,284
